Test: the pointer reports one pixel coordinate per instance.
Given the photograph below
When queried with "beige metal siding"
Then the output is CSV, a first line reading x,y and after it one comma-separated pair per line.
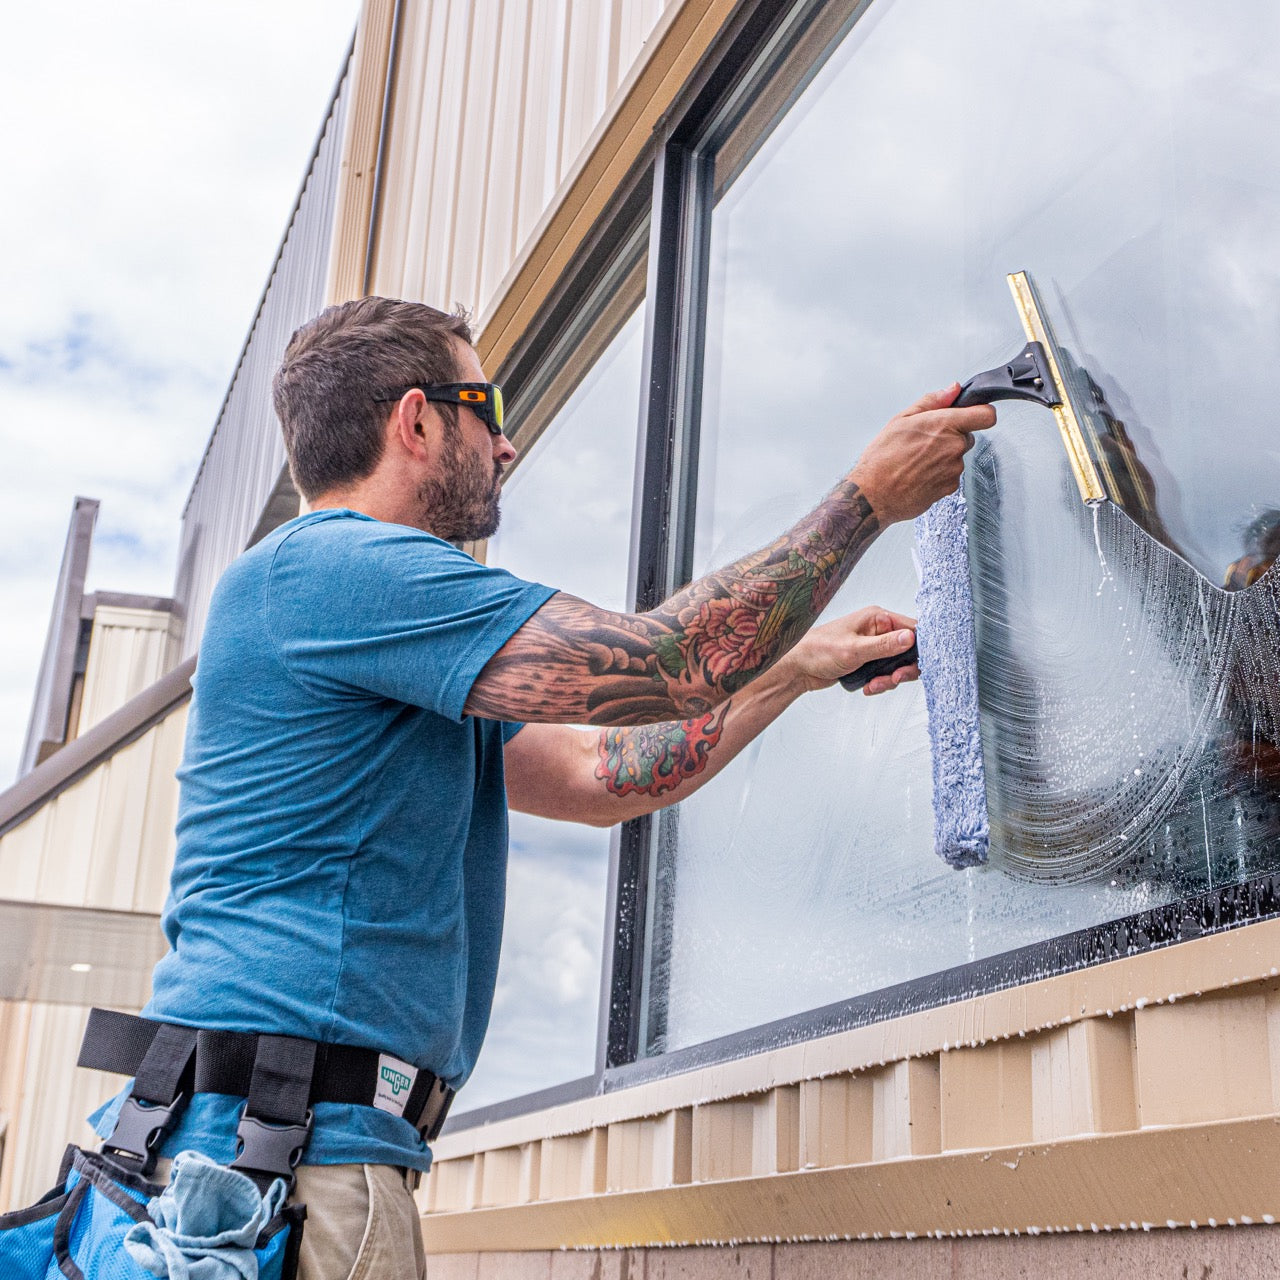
x,y
129,650
45,1095
245,455
495,103
106,840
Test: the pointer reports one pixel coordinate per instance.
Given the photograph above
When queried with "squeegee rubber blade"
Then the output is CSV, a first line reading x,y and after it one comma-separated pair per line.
x,y
949,673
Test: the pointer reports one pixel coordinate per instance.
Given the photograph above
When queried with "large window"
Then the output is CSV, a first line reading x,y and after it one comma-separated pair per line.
x,y
566,521
835,207
857,251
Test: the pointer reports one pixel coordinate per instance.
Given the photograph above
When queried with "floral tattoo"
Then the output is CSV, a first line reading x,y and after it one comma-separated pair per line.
x,y
651,759
572,662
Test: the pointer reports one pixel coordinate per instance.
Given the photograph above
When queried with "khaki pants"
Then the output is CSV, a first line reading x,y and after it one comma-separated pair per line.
x,y
362,1223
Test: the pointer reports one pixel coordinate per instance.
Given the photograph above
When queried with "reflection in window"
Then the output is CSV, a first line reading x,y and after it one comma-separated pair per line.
x,y
566,521
1129,157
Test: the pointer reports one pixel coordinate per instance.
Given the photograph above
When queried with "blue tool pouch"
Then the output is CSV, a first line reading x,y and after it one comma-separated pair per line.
x,y
78,1230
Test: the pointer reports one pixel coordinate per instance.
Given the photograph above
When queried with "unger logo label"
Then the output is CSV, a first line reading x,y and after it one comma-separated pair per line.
x,y
396,1079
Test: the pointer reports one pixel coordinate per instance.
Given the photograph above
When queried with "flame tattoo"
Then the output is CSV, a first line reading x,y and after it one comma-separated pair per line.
x,y
656,758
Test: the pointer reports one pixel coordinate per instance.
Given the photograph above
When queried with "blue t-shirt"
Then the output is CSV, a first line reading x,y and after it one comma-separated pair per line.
x,y
342,826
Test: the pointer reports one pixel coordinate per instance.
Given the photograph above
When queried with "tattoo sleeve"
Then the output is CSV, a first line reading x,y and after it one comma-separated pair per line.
x,y
574,663
653,759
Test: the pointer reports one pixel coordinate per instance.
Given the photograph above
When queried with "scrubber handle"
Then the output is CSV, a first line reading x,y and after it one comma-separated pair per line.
x,y
879,667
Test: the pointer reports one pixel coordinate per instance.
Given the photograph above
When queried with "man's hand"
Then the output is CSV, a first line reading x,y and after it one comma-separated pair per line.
x,y
919,456
837,648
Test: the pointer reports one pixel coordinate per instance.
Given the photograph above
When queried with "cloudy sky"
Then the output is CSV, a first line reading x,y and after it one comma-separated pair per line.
x,y
152,153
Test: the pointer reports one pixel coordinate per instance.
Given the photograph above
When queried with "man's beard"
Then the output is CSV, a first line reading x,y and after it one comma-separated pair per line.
x,y
461,503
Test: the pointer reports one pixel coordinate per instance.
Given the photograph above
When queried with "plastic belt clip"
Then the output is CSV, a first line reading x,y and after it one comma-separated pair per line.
x,y
435,1110
266,1151
140,1131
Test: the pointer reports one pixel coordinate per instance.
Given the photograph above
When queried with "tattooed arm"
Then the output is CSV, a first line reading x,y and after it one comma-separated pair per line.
x,y
573,663
602,777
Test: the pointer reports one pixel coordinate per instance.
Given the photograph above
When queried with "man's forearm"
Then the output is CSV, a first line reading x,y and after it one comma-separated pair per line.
x,y
723,630
574,662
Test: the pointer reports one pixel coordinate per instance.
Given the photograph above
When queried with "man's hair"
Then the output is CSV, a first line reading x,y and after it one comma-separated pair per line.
x,y
334,367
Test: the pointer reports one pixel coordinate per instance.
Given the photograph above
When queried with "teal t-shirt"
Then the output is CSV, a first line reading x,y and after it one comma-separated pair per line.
x,y
342,826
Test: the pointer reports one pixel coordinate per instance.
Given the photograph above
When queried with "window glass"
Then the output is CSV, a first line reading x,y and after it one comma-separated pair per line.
x,y
566,521
1128,156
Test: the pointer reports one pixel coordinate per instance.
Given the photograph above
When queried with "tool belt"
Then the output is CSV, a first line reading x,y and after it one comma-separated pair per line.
x,y
105,1220
280,1078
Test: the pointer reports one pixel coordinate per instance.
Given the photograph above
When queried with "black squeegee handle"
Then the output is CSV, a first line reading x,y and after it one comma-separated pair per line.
x,y
879,667
1026,377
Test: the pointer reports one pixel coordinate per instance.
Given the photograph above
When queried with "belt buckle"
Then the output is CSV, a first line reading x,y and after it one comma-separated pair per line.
x,y
268,1149
140,1131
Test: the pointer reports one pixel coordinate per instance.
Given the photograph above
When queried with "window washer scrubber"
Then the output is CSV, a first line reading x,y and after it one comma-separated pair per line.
x,y
946,639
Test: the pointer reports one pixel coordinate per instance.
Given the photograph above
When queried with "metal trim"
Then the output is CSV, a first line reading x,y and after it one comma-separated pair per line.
x,y
384,135
52,701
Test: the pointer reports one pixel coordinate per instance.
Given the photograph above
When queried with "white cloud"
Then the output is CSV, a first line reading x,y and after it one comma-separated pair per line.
x,y
152,155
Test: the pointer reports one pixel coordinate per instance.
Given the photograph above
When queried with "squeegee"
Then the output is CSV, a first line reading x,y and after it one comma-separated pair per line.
x,y
946,644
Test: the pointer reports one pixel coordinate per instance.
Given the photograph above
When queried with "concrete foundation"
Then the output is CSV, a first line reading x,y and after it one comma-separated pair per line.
x,y
1225,1253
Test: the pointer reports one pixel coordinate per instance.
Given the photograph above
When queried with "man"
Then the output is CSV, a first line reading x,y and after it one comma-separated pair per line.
x,y
356,736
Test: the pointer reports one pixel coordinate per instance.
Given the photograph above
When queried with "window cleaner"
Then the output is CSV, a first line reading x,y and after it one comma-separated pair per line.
x,y
946,642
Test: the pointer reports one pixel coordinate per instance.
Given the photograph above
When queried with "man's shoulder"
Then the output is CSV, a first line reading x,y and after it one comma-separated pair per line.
x,y
336,533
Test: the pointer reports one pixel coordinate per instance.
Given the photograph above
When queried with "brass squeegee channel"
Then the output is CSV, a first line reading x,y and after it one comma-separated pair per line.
x,y
1028,304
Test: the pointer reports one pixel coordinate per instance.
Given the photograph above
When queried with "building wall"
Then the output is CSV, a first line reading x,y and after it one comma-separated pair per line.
x,y
130,648
44,1094
241,484
494,107
104,842
1243,1253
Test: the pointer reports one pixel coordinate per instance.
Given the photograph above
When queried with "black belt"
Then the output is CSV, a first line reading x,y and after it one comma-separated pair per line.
x,y
280,1076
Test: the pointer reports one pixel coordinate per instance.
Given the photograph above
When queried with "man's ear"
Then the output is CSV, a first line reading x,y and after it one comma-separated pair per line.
x,y
410,420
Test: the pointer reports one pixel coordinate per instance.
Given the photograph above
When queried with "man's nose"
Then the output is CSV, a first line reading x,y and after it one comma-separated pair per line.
x,y
504,451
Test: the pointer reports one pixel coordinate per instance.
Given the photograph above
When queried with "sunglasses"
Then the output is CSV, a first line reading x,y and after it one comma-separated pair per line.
x,y
484,398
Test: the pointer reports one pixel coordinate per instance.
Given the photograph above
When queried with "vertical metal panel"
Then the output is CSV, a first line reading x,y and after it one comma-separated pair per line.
x,y
245,455
399,249
586,78
506,150
106,840
54,1099
455,69
129,649
495,103
476,156
545,79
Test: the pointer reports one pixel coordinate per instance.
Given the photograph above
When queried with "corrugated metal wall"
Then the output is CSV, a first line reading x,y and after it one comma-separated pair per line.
x,y
107,839
130,649
44,1094
245,454
494,104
